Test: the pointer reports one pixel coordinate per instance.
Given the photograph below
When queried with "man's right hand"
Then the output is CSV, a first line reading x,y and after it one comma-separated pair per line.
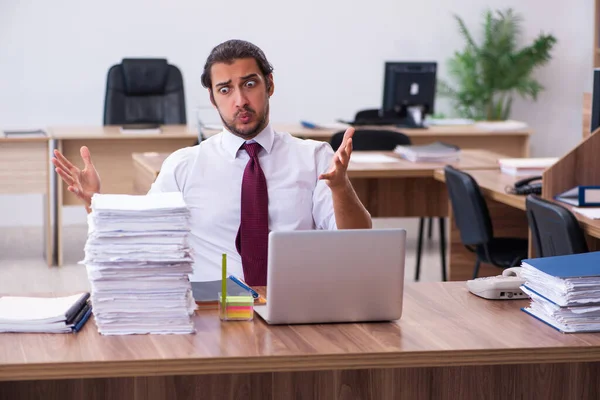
x,y
83,183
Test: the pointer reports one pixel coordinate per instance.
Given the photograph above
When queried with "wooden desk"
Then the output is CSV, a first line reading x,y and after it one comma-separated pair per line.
x,y
512,144
448,344
400,189
507,212
111,153
24,170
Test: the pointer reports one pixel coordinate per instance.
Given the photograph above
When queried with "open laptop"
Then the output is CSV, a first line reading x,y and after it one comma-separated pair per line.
x,y
334,276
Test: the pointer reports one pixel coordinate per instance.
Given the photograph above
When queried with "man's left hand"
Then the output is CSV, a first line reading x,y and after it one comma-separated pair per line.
x,y
336,176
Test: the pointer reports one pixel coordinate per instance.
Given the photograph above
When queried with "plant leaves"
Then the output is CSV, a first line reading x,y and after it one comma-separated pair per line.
x,y
483,76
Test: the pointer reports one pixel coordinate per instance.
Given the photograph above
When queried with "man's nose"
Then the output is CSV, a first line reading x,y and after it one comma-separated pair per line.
x,y
240,99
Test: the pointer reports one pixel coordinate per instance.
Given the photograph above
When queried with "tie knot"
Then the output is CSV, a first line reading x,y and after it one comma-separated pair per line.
x,y
252,149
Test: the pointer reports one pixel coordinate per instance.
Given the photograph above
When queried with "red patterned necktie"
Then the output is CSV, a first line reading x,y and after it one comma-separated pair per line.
x,y
252,238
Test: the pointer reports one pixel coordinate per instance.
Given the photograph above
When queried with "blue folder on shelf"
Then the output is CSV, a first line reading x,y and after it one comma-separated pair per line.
x,y
581,196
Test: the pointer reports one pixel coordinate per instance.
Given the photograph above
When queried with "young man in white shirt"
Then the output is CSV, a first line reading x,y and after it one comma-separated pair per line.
x,y
247,180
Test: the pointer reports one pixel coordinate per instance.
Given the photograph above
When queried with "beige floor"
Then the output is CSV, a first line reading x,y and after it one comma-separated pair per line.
x,y
23,269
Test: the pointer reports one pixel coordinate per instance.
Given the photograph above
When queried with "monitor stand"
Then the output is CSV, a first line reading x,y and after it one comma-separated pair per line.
x,y
413,119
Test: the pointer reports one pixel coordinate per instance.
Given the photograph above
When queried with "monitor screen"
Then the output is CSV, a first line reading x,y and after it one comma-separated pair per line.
x,y
408,84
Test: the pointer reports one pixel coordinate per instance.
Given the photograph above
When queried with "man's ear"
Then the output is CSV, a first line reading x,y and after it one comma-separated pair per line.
x,y
271,84
212,98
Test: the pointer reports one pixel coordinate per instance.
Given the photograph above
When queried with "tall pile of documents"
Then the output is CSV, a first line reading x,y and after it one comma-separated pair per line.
x,y
138,260
564,291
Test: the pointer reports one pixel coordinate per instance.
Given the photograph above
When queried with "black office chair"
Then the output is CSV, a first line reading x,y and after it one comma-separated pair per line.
x,y
384,140
366,115
473,221
554,229
144,91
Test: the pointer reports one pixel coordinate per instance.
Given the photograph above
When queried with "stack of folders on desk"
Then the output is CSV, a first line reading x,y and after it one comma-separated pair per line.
x,y
44,314
437,152
138,260
564,291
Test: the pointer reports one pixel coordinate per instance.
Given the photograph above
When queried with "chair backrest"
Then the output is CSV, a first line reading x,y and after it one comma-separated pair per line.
x,y
470,210
372,139
369,115
554,229
144,91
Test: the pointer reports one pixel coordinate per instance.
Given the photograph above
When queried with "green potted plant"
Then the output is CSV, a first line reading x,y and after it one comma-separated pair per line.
x,y
487,75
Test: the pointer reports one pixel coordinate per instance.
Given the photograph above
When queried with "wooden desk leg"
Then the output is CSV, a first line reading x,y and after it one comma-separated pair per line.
x,y
507,222
58,213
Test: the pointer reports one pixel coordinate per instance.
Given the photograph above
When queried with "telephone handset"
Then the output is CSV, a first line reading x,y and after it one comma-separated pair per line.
x,y
502,287
527,186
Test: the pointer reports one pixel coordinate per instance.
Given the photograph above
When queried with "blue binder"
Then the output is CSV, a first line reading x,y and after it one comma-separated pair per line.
x,y
581,196
581,265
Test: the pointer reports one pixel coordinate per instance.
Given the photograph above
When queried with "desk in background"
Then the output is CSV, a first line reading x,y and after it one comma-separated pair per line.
x,y
111,154
24,170
507,213
448,344
399,189
511,144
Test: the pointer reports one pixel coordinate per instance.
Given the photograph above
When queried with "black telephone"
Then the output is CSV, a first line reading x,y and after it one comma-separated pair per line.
x,y
527,186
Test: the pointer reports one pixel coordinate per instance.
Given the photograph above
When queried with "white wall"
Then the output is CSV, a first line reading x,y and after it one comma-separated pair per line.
x,y
328,55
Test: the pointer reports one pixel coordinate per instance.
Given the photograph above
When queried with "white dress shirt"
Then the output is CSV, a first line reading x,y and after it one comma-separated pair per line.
x,y
210,177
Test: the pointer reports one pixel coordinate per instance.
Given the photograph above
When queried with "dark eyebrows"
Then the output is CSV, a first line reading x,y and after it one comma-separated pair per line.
x,y
223,83
244,78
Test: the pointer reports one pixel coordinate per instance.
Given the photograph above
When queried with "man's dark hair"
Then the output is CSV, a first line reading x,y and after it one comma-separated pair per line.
x,y
231,50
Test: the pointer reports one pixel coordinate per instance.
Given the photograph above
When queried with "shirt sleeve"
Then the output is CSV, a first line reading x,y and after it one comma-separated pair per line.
x,y
323,214
173,172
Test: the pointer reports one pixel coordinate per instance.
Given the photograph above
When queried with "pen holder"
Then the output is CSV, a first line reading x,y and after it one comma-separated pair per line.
x,y
236,308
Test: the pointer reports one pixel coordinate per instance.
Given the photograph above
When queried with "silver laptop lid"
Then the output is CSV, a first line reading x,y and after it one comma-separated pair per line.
x,y
335,276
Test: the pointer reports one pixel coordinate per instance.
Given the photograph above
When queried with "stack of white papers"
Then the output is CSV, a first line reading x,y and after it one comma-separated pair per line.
x,y
564,291
525,166
42,314
590,212
138,260
435,152
498,126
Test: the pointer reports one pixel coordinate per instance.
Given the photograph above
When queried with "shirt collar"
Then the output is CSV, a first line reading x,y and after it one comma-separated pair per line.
x,y
232,143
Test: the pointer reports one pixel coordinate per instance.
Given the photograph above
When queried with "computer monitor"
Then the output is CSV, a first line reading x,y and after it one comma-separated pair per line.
x,y
595,123
409,90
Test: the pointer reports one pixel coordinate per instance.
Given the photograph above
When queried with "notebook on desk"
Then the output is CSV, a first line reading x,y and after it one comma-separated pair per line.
x,y
206,294
43,314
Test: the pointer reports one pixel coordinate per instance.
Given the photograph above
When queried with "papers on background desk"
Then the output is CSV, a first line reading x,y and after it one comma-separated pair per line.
x,y
447,121
140,129
359,157
24,133
590,212
501,126
434,152
526,166
138,261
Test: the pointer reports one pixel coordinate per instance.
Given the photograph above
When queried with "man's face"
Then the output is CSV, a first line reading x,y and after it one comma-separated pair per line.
x,y
240,94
